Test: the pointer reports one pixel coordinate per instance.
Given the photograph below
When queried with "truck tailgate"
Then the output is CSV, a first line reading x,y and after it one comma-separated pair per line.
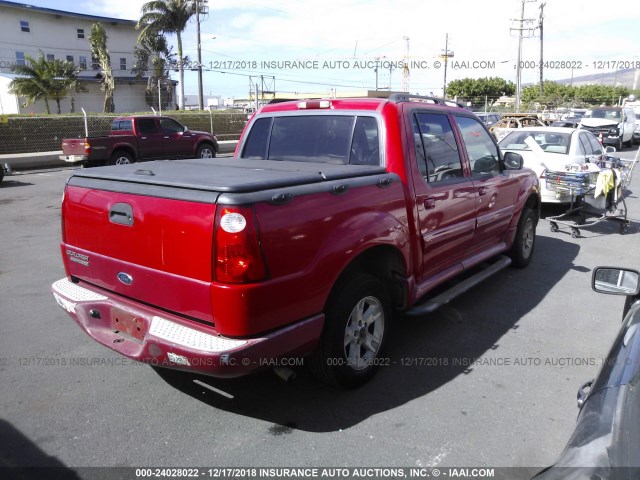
x,y
156,250
74,146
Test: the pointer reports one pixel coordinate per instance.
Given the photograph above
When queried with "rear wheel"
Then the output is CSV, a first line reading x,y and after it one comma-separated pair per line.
x,y
524,243
357,321
121,158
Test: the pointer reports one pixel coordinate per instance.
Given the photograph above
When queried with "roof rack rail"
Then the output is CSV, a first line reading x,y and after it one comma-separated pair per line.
x,y
407,97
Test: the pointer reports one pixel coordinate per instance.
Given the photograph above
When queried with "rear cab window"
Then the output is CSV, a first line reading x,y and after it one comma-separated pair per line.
x,y
120,125
345,139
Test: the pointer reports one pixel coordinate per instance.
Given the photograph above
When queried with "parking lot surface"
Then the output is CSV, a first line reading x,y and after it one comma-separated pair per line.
x,y
489,380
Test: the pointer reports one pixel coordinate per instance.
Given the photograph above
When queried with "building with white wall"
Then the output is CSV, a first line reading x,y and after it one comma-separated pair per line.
x,y
28,30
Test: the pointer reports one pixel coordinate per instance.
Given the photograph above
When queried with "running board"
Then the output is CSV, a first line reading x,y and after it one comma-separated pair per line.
x,y
434,303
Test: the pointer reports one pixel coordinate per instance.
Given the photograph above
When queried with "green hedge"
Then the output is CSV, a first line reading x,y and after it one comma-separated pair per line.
x,y
30,133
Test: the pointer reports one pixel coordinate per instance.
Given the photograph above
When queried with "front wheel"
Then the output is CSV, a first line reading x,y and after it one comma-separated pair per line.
x,y
357,321
524,243
206,151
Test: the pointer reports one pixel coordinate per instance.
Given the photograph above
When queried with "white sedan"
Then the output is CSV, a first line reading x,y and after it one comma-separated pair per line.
x,y
555,149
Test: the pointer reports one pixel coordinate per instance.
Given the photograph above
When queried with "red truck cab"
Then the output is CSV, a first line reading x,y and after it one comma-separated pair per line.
x,y
332,215
140,138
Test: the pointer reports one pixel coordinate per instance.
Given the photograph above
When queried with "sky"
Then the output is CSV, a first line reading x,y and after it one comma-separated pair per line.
x,y
305,46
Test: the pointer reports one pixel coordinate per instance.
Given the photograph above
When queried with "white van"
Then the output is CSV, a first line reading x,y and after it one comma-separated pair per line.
x,y
631,102
614,125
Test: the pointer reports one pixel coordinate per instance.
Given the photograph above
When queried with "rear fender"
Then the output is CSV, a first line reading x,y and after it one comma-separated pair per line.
x,y
350,240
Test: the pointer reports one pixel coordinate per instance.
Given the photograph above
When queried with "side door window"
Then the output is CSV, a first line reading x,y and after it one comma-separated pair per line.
x,y
170,126
436,149
583,146
585,149
445,195
595,145
175,141
481,150
496,190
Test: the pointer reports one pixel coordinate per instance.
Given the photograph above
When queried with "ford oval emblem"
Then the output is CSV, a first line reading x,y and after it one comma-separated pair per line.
x,y
125,278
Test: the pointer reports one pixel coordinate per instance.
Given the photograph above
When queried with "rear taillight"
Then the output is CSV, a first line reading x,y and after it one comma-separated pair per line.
x,y
238,257
87,148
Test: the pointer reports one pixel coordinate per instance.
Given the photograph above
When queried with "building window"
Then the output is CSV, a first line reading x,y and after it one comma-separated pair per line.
x,y
95,64
123,63
80,32
82,62
24,26
20,58
70,58
50,57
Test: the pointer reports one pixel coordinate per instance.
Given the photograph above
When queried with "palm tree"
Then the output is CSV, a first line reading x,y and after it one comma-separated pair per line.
x,y
155,56
35,83
167,16
65,81
68,72
98,42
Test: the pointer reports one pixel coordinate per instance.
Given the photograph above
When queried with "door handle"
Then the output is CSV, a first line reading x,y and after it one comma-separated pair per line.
x,y
166,138
482,191
121,213
429,203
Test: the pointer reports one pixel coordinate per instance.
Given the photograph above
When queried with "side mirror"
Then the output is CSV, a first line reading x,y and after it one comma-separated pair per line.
x,y
610,149
513,161
616,281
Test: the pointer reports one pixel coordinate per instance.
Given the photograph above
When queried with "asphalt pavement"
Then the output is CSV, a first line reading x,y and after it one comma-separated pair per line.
x,y
489,380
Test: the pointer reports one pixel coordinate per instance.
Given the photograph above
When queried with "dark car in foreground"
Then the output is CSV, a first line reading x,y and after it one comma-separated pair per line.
x,y
606,441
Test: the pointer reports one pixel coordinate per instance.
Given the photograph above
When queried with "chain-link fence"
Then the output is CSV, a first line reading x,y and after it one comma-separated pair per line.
x,y
28,134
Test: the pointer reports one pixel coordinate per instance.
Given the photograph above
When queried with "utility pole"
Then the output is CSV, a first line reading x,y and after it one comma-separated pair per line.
x,y
405,70
541,25
446,54
201,8
521,29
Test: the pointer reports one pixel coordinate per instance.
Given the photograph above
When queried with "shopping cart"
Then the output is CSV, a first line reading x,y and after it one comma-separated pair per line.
x,y
586,208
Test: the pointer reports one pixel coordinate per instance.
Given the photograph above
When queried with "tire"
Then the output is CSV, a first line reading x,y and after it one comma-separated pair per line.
x,y
357,321
121,158
524,244
206,150
619,145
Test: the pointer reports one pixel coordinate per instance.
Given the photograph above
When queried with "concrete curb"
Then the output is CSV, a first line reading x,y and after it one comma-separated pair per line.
x,y
25,161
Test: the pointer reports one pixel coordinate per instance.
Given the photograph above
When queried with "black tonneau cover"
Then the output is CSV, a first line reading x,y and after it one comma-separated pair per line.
x,y
232,175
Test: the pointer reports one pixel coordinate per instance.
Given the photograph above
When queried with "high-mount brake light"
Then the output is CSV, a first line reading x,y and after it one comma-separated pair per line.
x,y
238,257
310,105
